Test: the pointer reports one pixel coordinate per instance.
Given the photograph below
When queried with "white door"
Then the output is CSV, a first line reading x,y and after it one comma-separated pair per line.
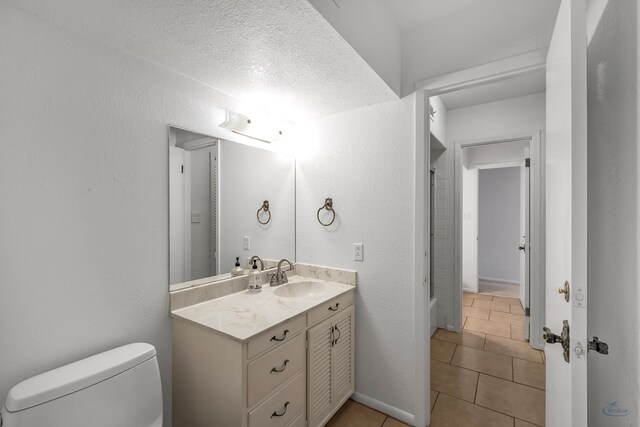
x,y
176,216
566,215
470,230
525,290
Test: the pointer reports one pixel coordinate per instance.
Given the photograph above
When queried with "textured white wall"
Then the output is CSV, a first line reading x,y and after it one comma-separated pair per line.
x,y
84,254
499,224
248,176
524,115
366,164
614,220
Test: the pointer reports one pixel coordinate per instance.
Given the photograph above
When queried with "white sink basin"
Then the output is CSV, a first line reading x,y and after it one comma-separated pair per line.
x,y
299,289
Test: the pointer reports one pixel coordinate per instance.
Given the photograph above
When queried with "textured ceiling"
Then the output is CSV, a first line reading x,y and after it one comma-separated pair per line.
x,y
518,86
409,13
278,55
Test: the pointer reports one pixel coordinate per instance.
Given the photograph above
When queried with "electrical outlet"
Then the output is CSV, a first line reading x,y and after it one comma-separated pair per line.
x,y
358,251
195,217
246,243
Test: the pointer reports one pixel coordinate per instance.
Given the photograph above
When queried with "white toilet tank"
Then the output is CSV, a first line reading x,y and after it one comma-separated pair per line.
x,y
120,387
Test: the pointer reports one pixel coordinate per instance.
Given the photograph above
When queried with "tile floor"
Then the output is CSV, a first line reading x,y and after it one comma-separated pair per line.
x,y
486,376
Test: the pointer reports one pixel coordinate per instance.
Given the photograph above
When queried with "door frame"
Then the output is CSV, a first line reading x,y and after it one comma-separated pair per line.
x,y
471,77
536,221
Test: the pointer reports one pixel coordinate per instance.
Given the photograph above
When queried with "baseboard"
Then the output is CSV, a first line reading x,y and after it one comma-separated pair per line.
x,y
391,411
493,279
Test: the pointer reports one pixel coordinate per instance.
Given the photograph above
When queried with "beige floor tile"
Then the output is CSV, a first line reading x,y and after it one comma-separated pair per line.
x,y
520,423
442,351
516,309
483,297
434,395
517,400
517,332
499,316
476,313
453,381
499,289
515,301
483,361
488,327
452,412
390,422
353,414
529,373
468,338
496,306
509,347
467,301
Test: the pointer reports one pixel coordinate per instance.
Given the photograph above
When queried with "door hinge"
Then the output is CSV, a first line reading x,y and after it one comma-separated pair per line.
x,y
563,339
527,162
598,346
181,168
527,312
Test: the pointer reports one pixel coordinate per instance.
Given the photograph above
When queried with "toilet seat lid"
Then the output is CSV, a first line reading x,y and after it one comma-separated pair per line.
x,y
76,376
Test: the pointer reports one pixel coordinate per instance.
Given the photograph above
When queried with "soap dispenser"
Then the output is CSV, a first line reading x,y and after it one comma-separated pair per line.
x,y
255,279
237,270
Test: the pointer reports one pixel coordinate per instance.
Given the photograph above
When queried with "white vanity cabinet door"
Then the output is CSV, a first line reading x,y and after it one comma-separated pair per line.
x,y
330,366
342,357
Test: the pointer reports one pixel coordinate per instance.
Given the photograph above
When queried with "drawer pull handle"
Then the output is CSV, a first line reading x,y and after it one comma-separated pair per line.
x,y
276,414
336,308
284,366
339,335
284,335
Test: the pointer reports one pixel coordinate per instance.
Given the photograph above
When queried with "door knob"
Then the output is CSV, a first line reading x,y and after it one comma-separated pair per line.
x,y
562,339
565,290
521,247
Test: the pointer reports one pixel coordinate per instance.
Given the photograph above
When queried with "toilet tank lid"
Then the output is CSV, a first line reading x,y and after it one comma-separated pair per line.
x,y
76,376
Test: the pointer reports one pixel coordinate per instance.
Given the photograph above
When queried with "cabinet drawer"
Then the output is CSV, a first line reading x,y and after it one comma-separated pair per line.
x,y
298,422
283,407
329,308
275,336
274,368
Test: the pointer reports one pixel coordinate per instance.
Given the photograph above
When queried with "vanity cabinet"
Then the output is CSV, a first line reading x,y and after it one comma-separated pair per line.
x,y
294,374
330,366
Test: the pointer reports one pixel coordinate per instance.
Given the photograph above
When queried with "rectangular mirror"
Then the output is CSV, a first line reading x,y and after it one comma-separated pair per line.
x,y
218,194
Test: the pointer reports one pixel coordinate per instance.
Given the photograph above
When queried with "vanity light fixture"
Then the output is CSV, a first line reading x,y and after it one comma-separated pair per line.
x,y
256,127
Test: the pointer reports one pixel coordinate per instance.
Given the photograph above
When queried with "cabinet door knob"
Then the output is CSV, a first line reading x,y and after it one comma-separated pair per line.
x,y
276,414
339,335
284,366
284,335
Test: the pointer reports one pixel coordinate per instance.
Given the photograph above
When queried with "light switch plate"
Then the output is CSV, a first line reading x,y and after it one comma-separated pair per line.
x,y
246,243
358,251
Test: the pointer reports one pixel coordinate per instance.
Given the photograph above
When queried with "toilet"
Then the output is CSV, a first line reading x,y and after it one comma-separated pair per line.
x,y
117,388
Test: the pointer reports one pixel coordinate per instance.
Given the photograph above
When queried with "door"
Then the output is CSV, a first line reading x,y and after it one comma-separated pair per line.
x,y
470,230
524,247
176,216
320,342
566,215
343,357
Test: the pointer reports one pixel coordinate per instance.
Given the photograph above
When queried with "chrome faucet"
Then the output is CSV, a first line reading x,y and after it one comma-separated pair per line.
x,y
257,258
280,276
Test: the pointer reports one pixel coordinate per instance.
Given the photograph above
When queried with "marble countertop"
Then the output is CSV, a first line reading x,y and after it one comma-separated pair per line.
x,y
243,315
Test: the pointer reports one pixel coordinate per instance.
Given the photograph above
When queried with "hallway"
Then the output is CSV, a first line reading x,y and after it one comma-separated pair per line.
x,y
488,375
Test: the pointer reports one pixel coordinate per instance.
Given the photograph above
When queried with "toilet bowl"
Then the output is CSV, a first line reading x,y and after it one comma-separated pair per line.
x,y
120,387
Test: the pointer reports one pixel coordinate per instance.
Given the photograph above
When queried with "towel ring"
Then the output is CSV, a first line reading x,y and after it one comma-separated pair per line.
x,y
264,208
328,205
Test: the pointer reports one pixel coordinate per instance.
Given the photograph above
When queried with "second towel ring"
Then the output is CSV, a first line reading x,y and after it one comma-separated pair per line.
x,y
264,208
328,205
